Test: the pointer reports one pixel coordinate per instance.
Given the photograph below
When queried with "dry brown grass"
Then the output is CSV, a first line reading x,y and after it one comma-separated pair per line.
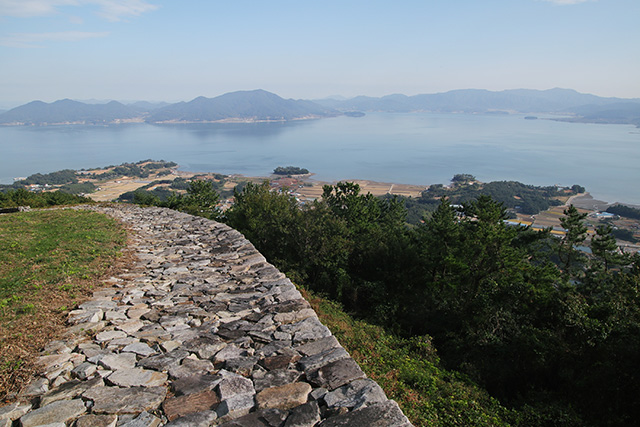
x,y
39,317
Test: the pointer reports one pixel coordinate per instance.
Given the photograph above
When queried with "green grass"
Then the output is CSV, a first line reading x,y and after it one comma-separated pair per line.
x,y
50,260
410,373
53,247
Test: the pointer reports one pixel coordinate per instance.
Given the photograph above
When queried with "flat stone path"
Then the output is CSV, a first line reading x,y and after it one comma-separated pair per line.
x,y
203,331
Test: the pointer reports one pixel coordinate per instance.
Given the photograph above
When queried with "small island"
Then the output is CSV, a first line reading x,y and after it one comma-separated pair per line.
x,y
354,114
290,170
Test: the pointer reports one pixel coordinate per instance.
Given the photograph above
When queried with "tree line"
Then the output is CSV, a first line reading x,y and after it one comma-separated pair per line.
x,y
546,328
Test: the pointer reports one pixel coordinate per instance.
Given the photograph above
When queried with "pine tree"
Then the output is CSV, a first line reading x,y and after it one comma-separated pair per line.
x,y
604,247
576,233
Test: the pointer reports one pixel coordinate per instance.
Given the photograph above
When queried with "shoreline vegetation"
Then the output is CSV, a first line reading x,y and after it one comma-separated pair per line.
x,y
155,182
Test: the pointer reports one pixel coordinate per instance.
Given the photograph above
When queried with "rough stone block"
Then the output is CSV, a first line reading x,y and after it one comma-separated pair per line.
x,y
386,414
70,390
133,400
204,418
307,415
14,410
233,385
97,421
262,418
196,402
283,397
61,411
136,377
355,395
195,384
145,419
115,362
336,374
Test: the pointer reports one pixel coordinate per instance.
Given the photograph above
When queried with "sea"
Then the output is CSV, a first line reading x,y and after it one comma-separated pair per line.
x,y
408,148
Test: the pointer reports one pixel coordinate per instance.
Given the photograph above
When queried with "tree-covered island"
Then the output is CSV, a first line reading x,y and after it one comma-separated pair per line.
x,y
290,170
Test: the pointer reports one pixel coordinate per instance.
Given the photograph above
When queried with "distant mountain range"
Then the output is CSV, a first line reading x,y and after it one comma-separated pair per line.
x,y
583,107
68,112
256,105
260,105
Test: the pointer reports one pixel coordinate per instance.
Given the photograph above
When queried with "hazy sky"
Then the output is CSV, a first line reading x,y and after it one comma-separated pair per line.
x,y
177,50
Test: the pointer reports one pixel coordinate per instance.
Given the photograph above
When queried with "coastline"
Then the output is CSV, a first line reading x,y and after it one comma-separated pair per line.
x,y
586,201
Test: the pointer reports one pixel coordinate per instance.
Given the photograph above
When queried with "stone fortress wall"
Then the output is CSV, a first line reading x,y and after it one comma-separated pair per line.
x,y
203,331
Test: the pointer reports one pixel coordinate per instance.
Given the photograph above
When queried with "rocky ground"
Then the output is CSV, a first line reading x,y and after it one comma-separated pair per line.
x,y
202,332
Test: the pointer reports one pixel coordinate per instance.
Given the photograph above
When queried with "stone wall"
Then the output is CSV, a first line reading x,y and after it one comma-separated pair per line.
x,y
203,331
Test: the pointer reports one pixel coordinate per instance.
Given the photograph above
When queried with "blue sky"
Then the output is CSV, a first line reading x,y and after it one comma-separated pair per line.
x,y
177,50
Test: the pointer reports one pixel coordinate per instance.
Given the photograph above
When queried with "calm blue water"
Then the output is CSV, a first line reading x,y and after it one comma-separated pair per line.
x,y
416,148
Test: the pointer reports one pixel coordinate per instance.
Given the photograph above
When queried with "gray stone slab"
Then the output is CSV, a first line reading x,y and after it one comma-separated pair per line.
x,y
162,362
14,410
204,418
232,385
314,347
69,390
109,335
309,329
61,411
115,362
145,419
321,359
92,420
386,414
236,406
190,367
195,384
283,397
137,377
307,415
355,395
139,348
204,346
84,370
262,418
336,374
132,400
262,380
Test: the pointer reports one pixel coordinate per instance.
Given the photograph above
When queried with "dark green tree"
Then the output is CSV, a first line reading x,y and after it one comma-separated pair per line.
x,y
575,234
201,199
270,220
605,248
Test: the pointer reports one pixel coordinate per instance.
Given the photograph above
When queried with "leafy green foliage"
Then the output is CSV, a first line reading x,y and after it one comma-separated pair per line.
x,y
524,314
623,234
290,170
66,176
605,248
575,234
517,197
410,372
85,187
141,169
463,178
624,211
22,197
201,199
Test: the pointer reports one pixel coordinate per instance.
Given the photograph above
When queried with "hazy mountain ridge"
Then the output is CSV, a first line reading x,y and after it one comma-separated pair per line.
x,y
260,105
584,107
68,111
256,105
478,101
